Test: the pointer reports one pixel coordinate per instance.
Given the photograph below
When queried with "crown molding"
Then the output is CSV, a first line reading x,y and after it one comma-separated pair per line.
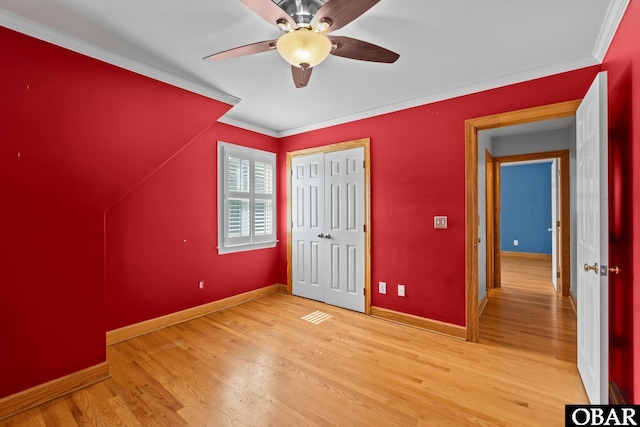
x,y
581,62
615,12
30,28
248,126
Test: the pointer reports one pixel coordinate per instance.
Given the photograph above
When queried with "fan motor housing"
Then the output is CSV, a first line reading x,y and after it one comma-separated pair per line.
x,y
302,11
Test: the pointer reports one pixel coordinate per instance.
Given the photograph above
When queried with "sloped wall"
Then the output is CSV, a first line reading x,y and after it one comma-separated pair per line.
x,y
162,238
76,134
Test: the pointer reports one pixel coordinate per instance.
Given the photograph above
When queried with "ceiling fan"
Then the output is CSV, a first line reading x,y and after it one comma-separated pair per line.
x,y
305,43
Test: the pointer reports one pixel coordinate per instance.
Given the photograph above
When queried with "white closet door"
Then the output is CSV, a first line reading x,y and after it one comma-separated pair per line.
x,y
307,236
344,228
327,236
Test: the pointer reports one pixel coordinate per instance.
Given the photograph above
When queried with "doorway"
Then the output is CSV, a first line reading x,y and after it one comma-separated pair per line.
x,y
472,128
328,233
561,270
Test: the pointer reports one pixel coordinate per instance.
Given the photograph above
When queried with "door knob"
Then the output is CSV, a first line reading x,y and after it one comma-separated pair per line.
x,y
593,267
549,229
328,236
321,235
615,269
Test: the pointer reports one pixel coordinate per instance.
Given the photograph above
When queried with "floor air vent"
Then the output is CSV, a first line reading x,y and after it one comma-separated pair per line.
x,y
316,317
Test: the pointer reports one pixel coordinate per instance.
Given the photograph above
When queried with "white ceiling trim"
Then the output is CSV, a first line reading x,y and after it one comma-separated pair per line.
x,y
582,62
248,126
40,32
609,27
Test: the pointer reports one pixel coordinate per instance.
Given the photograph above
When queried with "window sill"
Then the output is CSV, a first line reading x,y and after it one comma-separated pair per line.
x,y
245,248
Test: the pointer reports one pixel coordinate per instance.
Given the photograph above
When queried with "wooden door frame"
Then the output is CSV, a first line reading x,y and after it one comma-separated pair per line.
x,y
497,259
490,215
472,127
564,209
366,144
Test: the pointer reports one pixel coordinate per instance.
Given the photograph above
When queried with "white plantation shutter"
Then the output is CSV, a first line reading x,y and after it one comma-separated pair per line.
x,y
238,199
238,218
246,198
264,200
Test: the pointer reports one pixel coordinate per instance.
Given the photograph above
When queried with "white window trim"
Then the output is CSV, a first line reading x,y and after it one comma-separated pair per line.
x,y
252,242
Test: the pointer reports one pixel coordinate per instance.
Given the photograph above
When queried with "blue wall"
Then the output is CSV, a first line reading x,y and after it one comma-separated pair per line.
x,y
525,208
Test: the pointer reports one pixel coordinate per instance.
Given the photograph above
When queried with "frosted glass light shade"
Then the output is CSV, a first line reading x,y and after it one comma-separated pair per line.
x,y
304,46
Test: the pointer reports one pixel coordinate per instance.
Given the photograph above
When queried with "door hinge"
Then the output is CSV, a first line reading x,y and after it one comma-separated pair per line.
x,y
291,171
557,223
364,164
364,228
364,291
558,274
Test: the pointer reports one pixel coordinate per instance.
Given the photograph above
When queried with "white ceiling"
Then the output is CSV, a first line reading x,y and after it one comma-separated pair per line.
x,y
447,48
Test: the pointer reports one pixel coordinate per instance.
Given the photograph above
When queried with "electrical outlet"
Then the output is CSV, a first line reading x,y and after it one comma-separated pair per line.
x,y
515,243
382,287
400,290
201,284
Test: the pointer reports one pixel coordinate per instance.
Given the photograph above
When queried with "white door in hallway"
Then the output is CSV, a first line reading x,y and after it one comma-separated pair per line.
x,y
592,241
554,228
327,236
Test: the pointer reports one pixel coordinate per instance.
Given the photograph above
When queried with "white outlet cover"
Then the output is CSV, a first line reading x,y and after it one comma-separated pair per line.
x,y
382,287
400,290
515,243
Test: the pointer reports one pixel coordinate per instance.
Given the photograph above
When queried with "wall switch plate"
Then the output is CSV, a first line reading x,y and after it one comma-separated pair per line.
x,y
400,290
382,287
515,243
439,222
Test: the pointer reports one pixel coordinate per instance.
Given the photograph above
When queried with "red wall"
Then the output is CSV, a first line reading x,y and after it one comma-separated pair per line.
x,y
75,135
162,238
622,63
418,171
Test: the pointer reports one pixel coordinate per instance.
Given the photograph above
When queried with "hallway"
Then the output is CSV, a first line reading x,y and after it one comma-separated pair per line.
x,y
526,314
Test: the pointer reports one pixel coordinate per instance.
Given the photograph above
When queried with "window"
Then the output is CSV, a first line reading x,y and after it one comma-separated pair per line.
x,y
246,198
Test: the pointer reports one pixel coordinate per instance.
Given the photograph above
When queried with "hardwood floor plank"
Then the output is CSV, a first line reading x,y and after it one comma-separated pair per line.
x,y
262,364
57,414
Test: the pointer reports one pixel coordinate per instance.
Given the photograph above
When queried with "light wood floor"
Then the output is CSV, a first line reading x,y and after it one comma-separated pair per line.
x,y
261,364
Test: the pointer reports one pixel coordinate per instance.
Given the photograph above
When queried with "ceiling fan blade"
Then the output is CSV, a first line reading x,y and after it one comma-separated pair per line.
x,y
360,50
249,49
269,11
341,12
301,76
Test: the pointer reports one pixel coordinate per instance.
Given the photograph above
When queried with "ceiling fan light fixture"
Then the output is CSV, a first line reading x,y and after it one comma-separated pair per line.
x,y
304,46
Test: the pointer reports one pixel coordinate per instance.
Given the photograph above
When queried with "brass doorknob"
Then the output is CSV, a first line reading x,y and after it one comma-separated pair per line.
x,y
593,267
615,269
